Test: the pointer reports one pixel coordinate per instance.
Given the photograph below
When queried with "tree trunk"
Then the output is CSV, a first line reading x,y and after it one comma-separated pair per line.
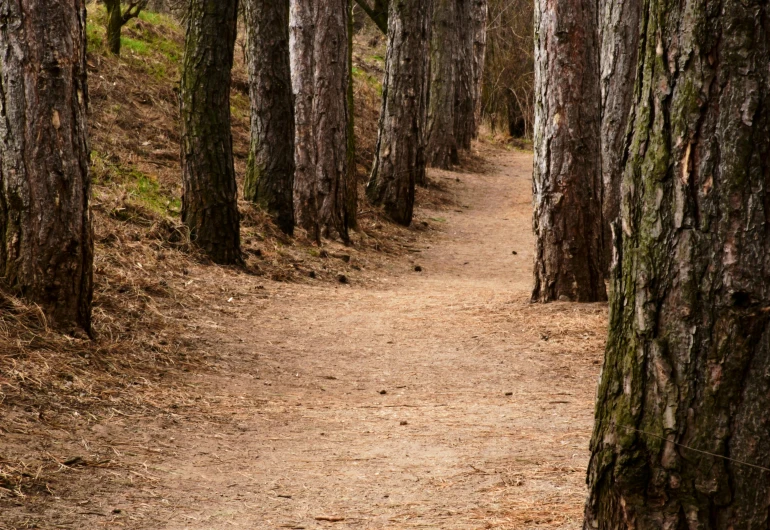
x,y
269,178
567,174
301,35
398,161
682,416
46,248
465,106
378,13
209,199
480,8
619,38
351,209
441,148
114,25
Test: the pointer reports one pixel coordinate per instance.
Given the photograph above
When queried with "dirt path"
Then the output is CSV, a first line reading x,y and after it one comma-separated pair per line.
x,y
435,399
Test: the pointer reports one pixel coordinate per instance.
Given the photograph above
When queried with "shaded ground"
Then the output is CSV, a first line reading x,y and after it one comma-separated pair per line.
x,y
432,399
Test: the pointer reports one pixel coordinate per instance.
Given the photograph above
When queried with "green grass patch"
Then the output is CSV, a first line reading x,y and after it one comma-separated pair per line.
x,y
136,46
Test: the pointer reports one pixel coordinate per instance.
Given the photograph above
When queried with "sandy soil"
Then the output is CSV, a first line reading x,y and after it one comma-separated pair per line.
x,y
432,399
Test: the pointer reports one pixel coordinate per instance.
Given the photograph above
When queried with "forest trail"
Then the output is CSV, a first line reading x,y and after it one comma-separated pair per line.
x,y
435,399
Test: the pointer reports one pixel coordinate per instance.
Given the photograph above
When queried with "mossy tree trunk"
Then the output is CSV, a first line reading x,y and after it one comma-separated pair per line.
x,y
464,56
398,161
619,38
567,175
117,18
269,177
441,147
209,197
46,243
682,412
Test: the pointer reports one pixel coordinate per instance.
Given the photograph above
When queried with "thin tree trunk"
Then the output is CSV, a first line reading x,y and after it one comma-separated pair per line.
x,y
682,412
465,106
330,117
114,25
352,177
398,162
209,200
269,178
619,38
441,148
480,8
46,248
567,174
301,36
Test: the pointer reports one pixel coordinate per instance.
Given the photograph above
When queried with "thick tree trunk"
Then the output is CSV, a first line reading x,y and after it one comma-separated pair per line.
x,y
301,35
114,25
46,244
330,117
209,200
619,38
567,175
441,148
269,178
398,162
682,417
465,106
480,8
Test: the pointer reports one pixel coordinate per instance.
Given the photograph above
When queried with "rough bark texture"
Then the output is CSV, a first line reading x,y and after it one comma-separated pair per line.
x,y
398,160
269,178
441,148
480,8
301,34
320,73
464,56
567,175
46,244
351,209
209,199
688,357
619,38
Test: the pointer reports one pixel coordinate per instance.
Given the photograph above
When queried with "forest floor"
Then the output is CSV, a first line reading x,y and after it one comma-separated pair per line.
x,y
427,393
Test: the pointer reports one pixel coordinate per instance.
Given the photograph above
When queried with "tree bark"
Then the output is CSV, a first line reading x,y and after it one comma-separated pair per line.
x,y
682,412
465,106
398,161
301,35
46,248
351,209
320,76
114,25
378,13
567,175
441,148
619,38
480,8
269,178
209,199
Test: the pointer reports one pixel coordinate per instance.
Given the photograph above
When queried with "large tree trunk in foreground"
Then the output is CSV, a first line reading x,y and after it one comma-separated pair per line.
x,y
441,147
351,208
619,38
46,244
209,200
465,105
398,161
567,176
320,75
683,417
301,47
269,178
480,8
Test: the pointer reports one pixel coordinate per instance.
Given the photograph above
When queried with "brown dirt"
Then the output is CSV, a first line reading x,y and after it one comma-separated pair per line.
x,y
402,399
